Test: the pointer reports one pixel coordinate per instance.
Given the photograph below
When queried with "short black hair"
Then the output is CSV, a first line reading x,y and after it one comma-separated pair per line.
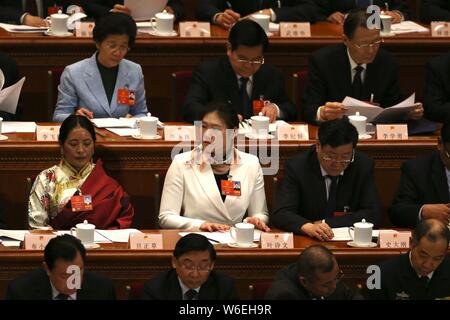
x,y
445,133
63,247
194,242
337,133
432,229
313,260
355,18
74,121
115,23
225,111
248,33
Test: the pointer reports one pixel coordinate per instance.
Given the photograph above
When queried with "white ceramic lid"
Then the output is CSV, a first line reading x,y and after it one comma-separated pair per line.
x,y
148,117
260,117
363,224
85,225
357,117
164,15
60,15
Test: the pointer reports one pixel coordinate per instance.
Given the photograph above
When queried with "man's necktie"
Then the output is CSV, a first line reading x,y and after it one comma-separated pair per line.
x,y
247,110
332,197
357,83
191,294
61,296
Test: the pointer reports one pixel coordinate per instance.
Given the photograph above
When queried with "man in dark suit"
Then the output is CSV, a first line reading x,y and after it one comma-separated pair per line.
x,y
240,79
424,191
356,68
98,8
424,272
435,10
315,276
11,11
64,262
335,10
9,75
227,13
330,185
437,89
192,276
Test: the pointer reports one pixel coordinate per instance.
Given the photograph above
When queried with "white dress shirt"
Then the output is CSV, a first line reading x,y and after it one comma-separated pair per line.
x,y
55,293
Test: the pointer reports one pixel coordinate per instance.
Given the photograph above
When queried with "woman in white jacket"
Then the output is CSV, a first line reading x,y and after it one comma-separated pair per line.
x,y
214,186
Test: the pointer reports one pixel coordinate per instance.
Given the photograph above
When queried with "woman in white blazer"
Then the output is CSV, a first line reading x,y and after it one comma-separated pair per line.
x,y
194,194
105,85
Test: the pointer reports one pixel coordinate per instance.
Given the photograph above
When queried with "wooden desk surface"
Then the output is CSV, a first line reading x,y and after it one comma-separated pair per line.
x,y
246,266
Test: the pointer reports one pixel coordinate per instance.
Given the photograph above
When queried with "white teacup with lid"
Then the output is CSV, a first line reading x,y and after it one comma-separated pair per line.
x,y
85,232
362,236
162,23
260,125
148,126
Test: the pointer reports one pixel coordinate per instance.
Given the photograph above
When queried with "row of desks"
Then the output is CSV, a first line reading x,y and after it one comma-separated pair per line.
x,y
246,266
135,164
160,57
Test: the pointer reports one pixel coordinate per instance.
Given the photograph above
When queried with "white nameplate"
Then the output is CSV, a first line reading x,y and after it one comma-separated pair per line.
x,y
295,29
391,239
36,241
189,29
277,240
440,29
84,29
47,133
392,132
145,241
293,132
179,133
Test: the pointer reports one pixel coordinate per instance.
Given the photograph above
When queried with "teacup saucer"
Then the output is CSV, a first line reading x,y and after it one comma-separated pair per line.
x,y
364,136
139,137
235,245
258,137
92,246
159,34
369,245
3,137
65,34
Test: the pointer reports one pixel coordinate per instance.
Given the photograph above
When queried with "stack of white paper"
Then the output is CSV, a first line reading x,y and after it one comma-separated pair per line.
x,y
245,127
120,235
114,122
398,113
14,234
407,27
18,126
21,28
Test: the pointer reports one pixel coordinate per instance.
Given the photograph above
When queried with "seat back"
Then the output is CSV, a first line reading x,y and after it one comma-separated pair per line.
x,y
181,80
258,290
298,83
134,291
53,78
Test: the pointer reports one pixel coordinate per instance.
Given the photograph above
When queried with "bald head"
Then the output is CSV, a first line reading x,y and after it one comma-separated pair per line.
x,y
433,230
315,260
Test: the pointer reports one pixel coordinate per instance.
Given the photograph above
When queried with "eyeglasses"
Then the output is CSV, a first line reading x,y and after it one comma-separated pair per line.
x,y
329,158
200,268
369,45
257,62
114,47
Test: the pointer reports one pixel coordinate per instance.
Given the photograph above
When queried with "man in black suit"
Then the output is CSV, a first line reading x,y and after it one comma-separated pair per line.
x,y
64,262
315,276
9,75
330,185
437,89
98,8
192,276
11,11
424,272
240,79
435,10
335,10
424,191
227,13
356,68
